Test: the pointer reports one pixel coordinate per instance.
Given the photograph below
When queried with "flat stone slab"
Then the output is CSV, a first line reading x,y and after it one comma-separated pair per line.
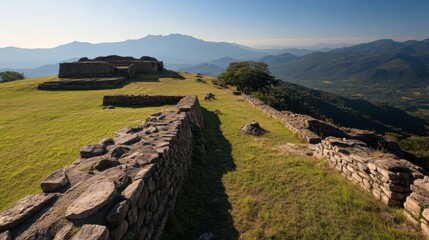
x,y
54,182
98,195
22,210
128,139
92,150
92,232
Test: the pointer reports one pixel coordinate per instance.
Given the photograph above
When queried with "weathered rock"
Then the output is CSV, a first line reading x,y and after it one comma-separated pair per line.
x,y
425,214
143,198
421,186
106,164
128,139
425,228
64,233
5,236
55,182
144,172
253,128
412,207
98,195
422,200
107,142
119,232
92,232
92,150
133,191
23,209
132,215
117,214
119,151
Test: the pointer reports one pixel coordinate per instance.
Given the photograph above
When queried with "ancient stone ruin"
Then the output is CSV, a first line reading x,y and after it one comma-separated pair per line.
x,y
119,188
357,155
101,72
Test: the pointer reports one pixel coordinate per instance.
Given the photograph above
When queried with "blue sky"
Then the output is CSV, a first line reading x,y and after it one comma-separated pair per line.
x,y
48,23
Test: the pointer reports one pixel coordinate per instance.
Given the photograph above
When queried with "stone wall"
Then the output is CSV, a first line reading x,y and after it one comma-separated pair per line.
x,y
356,154
314,130
86,70
147,67
120,188
385,176
82,84
140,100
417,204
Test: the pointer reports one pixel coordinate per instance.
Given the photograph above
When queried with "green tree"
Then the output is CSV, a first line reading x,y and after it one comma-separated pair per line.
x,y
248,76
8,76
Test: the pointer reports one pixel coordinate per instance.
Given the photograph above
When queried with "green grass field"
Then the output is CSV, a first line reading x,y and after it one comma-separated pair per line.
x,y
244,187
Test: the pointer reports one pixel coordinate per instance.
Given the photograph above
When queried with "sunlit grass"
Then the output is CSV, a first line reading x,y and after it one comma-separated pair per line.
x,y
244,187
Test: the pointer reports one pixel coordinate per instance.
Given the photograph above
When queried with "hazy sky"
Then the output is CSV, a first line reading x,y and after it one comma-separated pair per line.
x,y
48,23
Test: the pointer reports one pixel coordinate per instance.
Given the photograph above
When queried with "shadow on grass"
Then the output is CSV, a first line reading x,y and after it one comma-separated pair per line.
x,y
202,205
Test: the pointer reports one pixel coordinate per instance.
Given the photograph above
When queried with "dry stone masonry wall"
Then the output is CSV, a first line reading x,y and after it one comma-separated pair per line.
x,y
385,175
120,188
140,100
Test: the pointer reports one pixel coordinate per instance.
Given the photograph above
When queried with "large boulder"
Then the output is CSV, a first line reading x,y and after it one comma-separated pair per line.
x,y
253,128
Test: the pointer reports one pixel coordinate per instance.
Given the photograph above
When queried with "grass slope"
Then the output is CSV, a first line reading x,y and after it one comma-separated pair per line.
x,y
244,187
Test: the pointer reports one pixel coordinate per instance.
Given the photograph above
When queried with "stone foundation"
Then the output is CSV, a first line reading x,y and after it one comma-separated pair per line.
x,y
101,73
120,188
82,84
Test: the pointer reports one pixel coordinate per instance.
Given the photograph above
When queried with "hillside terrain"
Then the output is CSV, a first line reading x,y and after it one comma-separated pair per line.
x,y
346,112
244,187
396,73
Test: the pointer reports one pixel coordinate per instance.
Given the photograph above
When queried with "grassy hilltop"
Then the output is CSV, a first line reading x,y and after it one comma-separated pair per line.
x,y
245,187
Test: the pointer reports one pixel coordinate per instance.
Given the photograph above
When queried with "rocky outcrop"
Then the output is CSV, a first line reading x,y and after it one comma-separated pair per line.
x,y
120,188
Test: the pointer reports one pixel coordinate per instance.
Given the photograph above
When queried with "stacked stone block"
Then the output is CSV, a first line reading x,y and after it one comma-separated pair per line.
x,y
140,100
120,188
416,207
385,176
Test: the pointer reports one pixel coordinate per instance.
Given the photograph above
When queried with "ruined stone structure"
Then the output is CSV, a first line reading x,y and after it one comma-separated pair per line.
x,y
140,100
101,72
120,188
355,153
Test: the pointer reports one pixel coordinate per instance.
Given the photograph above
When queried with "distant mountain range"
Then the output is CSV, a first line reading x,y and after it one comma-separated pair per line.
x,y
380,62
396,73
176,50
387,71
